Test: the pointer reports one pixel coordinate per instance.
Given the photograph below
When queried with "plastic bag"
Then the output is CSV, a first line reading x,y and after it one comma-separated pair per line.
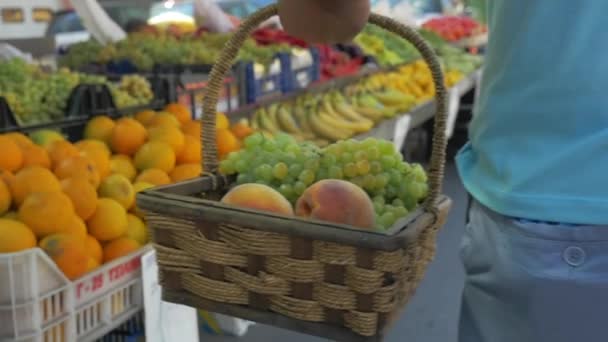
x,y
209,15
217,324
8,52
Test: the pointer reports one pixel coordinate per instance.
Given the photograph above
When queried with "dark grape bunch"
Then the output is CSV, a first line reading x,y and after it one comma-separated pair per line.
x,y
395,187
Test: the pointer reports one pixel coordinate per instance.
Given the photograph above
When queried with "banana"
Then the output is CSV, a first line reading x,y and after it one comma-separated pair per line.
x,y
334,122
286,121
301,116
327,132
254,121
266,123
345,110
392,98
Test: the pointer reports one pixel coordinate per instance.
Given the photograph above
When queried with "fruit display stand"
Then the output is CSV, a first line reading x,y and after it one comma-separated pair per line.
x,y
320,278
39,304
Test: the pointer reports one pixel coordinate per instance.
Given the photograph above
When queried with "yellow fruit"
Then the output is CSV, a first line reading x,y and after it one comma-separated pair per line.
x,y
46,213
155,155
5,197
11,215
93,248
193,129
99,128
109,221
79,167
61,150
191,152
82,194
15,236
180,111
226,142
153,176
185,171
98,153
136,229
118,248
118,188
163,119
123,165
11,157
128,136
46,137
221,121
30,180
145,116
76,227
170,135
140,186
68,252
92,265
34,155
20,139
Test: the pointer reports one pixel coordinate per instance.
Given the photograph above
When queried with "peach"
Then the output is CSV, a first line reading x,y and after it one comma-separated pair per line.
x,y
337,201
258,197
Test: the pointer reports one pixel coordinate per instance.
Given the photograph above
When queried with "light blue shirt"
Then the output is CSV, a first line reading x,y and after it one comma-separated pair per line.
x,y
539,138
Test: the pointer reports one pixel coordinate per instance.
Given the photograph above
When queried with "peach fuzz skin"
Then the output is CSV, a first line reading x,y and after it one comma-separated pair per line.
x,y
337,201
258,197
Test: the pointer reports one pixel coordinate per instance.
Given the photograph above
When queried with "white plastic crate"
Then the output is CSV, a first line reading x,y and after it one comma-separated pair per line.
x,y
39,304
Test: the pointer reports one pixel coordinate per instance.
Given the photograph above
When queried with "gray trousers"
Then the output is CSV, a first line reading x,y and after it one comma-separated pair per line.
x,y
533,282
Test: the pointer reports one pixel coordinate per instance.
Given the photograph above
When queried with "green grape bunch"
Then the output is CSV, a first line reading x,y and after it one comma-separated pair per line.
x,y
394,186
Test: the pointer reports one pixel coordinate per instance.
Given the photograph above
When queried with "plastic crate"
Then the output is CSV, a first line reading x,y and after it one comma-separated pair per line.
x,y
39,304
301,69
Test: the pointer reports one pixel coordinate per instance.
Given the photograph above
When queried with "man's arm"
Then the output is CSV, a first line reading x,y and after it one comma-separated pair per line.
x,y
324,21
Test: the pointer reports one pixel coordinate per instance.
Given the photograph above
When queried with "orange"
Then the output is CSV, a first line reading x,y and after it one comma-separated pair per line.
x,y
192,128
221,121
16,236
226,142
79,167
93,248
154,177
46,137
46,213
128,136
241,130
185,171
60,150
11,215
118,188
77,228
122,165
138,187
20,139
119,248
170,135
34,155
99,154
99,128
109,221
163,119
180,111
68,252
5,197
155,155
136,229
92,264
11,157
30,180
191,152
145,116
82,194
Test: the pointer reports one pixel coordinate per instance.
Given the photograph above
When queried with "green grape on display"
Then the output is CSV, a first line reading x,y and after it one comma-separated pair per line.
x,y
39,96
395,187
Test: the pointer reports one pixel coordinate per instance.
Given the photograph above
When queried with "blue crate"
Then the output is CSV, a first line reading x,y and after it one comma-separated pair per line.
x,y
253,89
310,73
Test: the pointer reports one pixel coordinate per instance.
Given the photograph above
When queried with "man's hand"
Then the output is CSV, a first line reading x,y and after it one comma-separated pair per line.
x,y
324,21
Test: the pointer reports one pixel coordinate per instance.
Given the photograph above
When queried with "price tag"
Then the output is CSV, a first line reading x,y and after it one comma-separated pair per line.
x,y
402,126
453,105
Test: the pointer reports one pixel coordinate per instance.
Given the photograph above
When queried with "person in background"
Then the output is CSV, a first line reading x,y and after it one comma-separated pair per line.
x,y
535,249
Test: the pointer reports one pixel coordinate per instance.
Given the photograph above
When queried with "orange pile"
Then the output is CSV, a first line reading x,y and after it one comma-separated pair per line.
x,y
76,201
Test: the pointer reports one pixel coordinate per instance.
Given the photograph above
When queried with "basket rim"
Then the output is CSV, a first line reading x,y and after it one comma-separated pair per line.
x,y
163,200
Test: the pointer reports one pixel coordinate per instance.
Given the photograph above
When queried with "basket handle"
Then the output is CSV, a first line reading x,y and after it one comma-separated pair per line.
x,y
231,49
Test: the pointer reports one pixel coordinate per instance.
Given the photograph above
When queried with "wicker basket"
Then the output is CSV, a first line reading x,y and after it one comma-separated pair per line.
x,y
318,278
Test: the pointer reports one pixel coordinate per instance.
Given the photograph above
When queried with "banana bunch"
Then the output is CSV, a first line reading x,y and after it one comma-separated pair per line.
x,y
333,116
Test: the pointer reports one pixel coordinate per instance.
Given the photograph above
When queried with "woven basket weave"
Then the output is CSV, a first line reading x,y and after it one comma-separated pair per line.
x,y
318,278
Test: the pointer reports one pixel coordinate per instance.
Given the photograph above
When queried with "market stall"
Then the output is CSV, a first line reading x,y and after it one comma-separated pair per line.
x,y
115,119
